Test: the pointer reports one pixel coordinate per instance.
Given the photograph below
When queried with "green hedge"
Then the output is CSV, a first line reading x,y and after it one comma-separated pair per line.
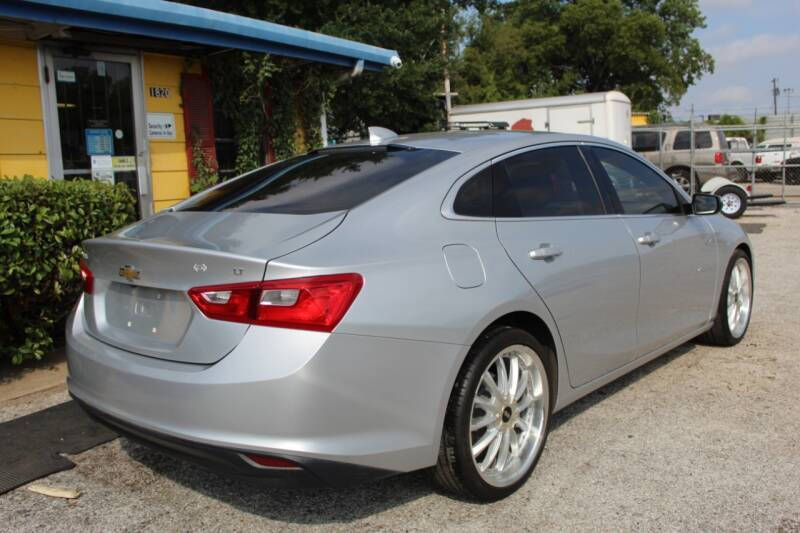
x,y
42,224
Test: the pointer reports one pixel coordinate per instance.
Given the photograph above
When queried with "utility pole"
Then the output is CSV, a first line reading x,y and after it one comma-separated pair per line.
x,y
448,103
775,93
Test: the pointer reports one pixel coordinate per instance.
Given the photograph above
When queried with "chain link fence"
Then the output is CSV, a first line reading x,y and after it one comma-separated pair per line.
x,y
764,158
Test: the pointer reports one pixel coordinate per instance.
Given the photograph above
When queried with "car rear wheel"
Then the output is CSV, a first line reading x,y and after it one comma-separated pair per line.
x,y
497,418
735,304
741,171
733,200
683,177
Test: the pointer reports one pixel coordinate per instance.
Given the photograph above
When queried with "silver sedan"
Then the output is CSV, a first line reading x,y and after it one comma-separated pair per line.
x,y
423,301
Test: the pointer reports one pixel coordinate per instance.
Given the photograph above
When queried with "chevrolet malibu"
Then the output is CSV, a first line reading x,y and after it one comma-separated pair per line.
x,y
422,301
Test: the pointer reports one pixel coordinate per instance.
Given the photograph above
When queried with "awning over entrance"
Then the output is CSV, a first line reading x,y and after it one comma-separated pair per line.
x,y
179,22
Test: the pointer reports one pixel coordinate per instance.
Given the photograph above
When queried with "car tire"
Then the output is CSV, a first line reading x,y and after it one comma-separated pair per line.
x,y
682,177
501,472
733,199
741,172
726,332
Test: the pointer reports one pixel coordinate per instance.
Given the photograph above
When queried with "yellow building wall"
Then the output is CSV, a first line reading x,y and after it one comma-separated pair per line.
x,y
22,147
639,119
168,163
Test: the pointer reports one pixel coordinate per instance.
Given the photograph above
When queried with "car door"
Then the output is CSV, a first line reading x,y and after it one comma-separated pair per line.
x,y
579,258
678,251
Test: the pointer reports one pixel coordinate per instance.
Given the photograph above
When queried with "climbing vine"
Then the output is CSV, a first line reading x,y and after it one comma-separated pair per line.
x,y
271,103
274,103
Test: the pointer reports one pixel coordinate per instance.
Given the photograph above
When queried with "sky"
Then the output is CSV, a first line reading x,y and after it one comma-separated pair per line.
x,y
752,41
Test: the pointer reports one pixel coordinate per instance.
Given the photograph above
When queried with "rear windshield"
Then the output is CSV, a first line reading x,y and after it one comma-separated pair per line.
x,y
319,182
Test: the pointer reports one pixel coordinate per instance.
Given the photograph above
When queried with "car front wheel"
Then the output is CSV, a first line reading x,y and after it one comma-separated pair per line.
x,y
497,418
735,304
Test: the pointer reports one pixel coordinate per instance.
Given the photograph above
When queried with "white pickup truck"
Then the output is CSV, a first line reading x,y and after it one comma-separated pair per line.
x,y
771,154
740,155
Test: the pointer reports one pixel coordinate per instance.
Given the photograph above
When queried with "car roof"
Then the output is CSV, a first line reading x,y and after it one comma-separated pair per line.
x,y
485,143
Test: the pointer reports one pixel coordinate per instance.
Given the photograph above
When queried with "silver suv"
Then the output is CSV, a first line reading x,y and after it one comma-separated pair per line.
x,y
673,152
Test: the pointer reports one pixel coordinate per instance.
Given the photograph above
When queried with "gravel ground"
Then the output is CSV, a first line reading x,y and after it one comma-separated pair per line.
x,y
700,439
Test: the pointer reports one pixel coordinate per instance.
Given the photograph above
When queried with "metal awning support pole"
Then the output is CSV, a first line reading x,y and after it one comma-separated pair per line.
x,y
691,151
323,125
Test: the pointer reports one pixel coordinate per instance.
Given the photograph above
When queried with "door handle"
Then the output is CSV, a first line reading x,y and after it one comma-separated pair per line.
x,y
546,251
649,239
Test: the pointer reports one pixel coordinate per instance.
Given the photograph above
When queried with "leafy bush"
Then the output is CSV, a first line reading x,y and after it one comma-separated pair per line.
x,y
42,224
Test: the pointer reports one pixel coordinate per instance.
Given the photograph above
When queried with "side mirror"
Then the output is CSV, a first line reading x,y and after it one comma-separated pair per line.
x,y
705,204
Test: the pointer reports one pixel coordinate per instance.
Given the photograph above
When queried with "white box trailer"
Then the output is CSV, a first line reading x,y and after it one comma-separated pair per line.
x,y
601,114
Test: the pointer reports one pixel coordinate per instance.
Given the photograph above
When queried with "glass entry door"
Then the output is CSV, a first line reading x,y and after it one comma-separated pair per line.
x,y
95,102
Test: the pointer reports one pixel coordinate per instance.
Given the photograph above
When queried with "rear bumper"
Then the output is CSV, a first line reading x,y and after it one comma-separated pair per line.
x,y
313,397
311,472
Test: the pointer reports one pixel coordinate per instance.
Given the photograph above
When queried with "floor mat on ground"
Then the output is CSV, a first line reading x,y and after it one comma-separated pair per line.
x,y
29,445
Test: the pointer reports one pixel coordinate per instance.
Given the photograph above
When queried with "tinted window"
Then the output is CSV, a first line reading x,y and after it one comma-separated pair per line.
x,y
640,189
702,139
322,181
647,141
550,182
475,196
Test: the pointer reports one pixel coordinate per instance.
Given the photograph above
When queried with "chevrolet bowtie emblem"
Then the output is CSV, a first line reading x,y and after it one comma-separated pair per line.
x,y
129,272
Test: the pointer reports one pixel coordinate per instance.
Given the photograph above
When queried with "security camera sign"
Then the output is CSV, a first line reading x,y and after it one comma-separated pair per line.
x,y
160,126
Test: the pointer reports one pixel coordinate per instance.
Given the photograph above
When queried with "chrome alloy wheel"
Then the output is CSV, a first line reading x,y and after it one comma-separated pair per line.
x,y
740,292
509,415
731,203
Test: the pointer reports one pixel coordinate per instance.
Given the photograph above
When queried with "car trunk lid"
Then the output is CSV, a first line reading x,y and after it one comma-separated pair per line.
x,y
142,273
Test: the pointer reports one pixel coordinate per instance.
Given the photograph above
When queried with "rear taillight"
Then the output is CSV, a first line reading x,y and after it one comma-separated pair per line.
x,y
759,159
87,277
749,188
267,461
315,303
719,158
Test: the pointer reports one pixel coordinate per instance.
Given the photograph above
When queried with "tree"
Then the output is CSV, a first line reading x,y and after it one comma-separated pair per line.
x,y
281,98
732,120
530,48
736,120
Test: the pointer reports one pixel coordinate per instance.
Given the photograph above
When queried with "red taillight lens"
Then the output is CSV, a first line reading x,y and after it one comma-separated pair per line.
x,y
315,303
759,159
87,277
224,302
266,461
719,158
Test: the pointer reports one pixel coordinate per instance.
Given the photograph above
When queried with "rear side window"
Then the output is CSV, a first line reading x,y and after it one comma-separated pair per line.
x,y
474,199
702,139
647,141
319,182
549,182
641,190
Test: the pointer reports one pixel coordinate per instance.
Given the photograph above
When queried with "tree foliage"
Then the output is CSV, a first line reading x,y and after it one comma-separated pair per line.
x,y
282,99
494,51
531,48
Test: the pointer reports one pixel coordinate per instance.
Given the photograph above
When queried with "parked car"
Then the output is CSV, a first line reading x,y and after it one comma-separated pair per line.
x,y
673,153
668,146
427,301
793,171
771,154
